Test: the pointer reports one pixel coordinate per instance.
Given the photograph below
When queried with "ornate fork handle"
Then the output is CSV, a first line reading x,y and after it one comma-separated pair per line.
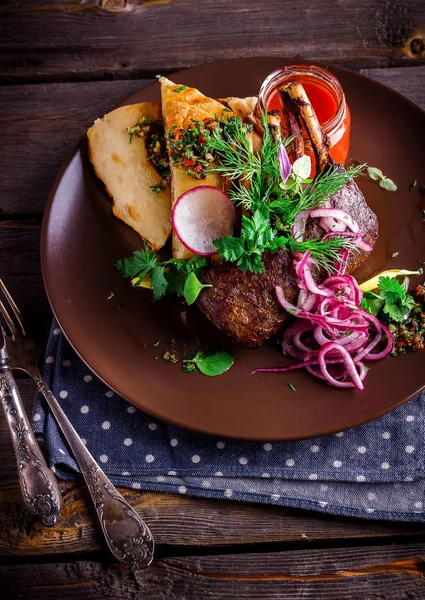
x,y
38,484
127,536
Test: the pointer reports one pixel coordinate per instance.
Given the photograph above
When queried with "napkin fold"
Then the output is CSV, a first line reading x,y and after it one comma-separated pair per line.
x,y
374,471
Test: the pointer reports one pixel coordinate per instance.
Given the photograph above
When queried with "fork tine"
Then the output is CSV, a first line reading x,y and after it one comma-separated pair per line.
x,y
14,308
8,320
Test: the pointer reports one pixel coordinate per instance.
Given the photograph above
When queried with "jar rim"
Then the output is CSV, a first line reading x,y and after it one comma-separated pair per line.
x,y
276,77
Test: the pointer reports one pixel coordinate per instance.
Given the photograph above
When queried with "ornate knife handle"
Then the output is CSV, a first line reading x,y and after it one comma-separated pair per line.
x,y
127,536
38,484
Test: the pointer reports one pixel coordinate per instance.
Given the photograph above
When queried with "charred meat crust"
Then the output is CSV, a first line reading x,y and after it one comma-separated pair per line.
x,y
244,305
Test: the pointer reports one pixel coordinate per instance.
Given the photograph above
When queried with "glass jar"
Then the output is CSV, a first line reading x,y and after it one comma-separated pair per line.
x,y
327,98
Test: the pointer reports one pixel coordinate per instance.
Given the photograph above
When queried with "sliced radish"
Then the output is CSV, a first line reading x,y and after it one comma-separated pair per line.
x,y
202,215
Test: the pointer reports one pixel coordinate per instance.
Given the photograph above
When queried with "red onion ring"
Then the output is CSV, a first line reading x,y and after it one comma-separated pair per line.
x,y
298,228
339,215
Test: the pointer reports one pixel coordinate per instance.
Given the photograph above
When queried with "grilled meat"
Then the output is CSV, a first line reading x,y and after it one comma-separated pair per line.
x,y
244,305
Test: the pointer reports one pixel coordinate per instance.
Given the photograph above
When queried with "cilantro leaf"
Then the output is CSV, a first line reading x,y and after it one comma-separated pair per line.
x,y
230,248
251,262
180,88
140,264
196,264
158,283
165,277
395,313
175,278
391,290
393,303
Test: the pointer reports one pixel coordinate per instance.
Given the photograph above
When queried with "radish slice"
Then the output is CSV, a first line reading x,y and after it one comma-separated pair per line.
x,y
202,215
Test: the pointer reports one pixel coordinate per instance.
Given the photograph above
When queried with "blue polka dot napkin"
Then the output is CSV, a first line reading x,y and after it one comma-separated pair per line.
x,y
373,471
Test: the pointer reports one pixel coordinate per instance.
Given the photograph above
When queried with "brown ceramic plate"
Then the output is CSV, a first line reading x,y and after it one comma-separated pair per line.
x,y
122,339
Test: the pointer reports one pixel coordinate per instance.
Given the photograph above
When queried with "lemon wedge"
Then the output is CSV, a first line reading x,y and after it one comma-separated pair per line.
x,y
372,284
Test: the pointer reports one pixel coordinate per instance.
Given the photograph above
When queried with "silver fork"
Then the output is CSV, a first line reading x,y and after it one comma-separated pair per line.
x,y
38,485
127,536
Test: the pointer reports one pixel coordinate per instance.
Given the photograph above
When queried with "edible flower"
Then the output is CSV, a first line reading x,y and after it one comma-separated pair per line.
x,y
284,162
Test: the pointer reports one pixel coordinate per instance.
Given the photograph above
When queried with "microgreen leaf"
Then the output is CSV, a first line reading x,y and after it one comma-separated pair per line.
x,y
302,167
388,184
374,173
180,88
385,182
192,288
212,363
287,185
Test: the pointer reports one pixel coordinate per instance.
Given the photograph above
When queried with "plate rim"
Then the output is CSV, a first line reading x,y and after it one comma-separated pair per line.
x,y
44,255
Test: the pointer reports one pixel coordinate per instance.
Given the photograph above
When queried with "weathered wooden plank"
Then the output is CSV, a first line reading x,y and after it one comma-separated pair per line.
x,y
409,81
92,39
341,574
180,521
40,124
21,272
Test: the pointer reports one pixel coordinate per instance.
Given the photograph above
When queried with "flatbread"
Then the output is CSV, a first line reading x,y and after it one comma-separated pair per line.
x,y
180,109
127,173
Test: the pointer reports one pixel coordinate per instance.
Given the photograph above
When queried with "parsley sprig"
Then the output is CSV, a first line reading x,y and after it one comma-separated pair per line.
x,y
392,303
174,275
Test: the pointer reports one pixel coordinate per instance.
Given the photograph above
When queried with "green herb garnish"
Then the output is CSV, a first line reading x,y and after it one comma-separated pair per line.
x,y
211,363
292,387
385,182
392,304
165,276
258,236
156,189
180,88
258,188
193,287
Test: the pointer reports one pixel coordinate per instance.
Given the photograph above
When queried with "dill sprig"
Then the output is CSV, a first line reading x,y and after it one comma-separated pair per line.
x,y
324,252
256,177
314,195
231,146
256,186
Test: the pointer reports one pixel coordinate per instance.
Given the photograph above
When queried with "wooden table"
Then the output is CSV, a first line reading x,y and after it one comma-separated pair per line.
x,y
64,63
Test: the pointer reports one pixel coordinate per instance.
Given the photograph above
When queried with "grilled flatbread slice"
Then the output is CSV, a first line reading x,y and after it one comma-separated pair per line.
x,y
180,108
127,173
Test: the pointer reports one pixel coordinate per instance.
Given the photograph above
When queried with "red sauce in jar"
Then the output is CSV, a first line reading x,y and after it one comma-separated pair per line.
x,y
327,99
